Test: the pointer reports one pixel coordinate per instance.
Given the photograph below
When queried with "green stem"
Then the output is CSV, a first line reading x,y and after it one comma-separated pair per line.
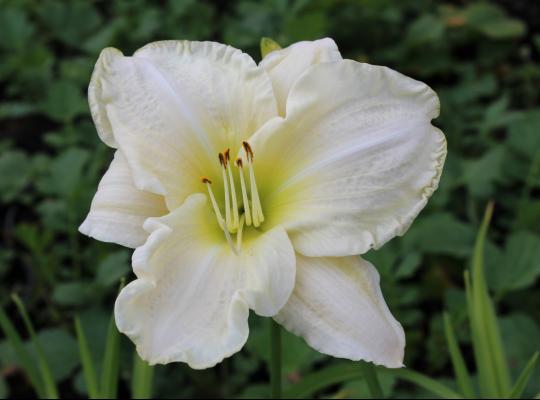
x,y
370,375
275,359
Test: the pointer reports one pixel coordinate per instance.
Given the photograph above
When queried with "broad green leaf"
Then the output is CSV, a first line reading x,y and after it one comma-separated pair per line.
x,y
482,173
520,265
113,268
493,22
440,233
64,102
15,174
3,388
15,28
60,351
73,293
523,133
424,30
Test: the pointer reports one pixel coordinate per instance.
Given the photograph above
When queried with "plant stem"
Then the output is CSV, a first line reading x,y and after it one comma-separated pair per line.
x,y
370,375
275,359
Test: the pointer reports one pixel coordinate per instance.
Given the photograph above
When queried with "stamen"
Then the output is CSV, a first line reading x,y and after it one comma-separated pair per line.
x,y
247,211
233,191
239,233
258,216
208,182
221,223
223,162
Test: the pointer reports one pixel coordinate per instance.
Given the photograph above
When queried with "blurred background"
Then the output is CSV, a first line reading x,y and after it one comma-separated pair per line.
x,y
481,57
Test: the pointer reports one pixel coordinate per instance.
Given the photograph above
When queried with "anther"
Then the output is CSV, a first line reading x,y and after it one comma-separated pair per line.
x,y
233,192
248,150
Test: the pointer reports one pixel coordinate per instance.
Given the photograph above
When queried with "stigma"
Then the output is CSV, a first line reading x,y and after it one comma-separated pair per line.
x,y
239,209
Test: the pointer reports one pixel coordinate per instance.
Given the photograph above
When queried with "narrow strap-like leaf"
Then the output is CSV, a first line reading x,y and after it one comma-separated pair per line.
x,y
460,369
524,377
142,379
426,382
51,391
89,371
22,354
109,377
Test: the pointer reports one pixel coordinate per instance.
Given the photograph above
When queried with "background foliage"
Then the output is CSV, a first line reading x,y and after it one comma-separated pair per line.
x,y
482,59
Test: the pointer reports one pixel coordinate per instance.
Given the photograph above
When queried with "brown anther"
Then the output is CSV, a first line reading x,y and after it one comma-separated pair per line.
x,y
204,179
222,160
227,157
239,163
249,151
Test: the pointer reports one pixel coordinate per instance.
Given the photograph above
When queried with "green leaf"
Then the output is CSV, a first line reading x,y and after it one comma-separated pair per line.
x,y
523,134
440,233
319,380
73,293
15,174
493,22
268,45
425,382
487,343
113,268
64,102
142,379
15,29
520,265
460,369
424,30
49,386
23,356
524,377
109,373
60,351
482,174
3,388
89,371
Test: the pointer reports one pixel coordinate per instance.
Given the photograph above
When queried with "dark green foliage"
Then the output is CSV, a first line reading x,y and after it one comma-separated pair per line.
x,y
481,57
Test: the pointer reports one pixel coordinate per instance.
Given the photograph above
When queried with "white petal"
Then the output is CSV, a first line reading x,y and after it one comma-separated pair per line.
x,y
285,66
119,209
338,308
358,158
192,297
174,105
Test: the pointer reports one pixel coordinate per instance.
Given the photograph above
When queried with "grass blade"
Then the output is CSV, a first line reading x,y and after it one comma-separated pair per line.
x,y
22,353
49,385
491,361
142,379
324,378
460,369
89,371
109,377
426,382
524,377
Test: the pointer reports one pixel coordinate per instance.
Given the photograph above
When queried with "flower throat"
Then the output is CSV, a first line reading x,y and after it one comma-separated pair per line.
x,y
251,213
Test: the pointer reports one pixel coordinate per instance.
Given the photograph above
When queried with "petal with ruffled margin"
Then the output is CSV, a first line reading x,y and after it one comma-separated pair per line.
x,y
119,209
192,297
358,158
173,106
285,66
338,307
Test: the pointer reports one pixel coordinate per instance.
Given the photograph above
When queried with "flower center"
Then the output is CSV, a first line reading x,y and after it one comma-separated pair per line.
x,y
250,212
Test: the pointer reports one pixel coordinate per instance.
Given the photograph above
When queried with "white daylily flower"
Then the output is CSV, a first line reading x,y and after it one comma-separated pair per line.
x,y
258,187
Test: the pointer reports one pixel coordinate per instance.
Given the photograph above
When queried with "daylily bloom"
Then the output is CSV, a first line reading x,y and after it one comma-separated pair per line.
x,y
246,186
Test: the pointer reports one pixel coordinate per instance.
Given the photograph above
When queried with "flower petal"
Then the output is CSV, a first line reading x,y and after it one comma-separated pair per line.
x,y
119,209
174,105
338,308
285,66
358,158
192,297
